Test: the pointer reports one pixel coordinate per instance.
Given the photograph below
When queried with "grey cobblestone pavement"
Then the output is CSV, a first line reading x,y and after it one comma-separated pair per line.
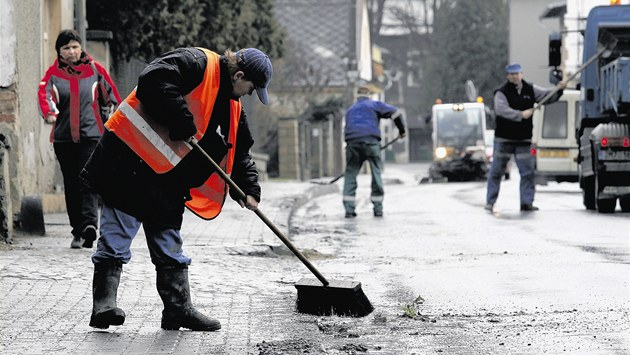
x,y
443,275
45,287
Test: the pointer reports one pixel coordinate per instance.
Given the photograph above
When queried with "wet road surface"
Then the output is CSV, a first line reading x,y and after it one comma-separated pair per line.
x,y
549,281
443,275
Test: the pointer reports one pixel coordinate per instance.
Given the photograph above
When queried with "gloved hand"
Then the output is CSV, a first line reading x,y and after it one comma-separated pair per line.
x,y
182,130
398,121
250,203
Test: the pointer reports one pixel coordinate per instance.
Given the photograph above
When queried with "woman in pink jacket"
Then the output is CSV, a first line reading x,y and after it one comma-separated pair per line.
x,y
74,96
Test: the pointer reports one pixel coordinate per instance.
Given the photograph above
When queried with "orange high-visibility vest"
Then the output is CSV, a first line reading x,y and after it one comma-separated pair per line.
x,y
207,199
151,142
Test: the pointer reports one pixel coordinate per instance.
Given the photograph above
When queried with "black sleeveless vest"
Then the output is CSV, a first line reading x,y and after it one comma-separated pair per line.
x,y
509,129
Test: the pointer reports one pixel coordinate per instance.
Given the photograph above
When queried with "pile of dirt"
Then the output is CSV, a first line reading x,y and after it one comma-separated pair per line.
x,y
291,346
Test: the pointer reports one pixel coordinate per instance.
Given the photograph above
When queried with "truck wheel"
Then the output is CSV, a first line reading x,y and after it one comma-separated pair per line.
x,y
624,202
606,205
588,192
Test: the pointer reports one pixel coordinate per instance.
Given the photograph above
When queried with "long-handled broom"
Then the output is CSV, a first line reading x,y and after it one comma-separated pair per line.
x,y
606,43
321,296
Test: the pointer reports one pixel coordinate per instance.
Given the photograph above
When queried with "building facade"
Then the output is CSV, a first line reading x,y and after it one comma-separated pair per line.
x,y
28,31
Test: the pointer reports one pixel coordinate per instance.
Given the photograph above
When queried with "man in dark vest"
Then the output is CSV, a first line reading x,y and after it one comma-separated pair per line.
x,y
514,107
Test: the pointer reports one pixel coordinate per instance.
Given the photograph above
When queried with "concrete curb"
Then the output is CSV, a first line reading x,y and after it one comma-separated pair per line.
x,y
311,193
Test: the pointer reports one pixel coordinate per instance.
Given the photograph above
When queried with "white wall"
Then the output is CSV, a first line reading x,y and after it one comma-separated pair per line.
x,y
7,43
529,38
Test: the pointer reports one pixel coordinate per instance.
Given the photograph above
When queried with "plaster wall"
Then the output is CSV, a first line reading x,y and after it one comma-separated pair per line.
x,y
529,38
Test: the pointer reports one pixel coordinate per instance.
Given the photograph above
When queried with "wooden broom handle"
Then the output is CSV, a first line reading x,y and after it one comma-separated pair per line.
x,y
259,213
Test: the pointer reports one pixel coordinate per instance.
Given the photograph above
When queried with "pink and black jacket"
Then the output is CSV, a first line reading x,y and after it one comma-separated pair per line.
x,y
71,93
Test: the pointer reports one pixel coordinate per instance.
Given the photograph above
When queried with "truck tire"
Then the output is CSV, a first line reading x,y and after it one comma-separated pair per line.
x,y
588,192
604,205
624,202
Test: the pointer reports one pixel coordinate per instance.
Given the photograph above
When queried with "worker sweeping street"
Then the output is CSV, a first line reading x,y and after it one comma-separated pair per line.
x,y
363,136
146,172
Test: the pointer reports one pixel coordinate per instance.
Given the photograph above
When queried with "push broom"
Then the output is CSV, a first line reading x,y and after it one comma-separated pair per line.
x,y
314,296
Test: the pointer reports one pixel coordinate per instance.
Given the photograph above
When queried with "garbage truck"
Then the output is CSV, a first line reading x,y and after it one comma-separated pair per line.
x,y
603,136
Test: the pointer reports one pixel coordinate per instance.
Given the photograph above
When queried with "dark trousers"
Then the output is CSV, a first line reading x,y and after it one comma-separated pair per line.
x,y
356,154
81,203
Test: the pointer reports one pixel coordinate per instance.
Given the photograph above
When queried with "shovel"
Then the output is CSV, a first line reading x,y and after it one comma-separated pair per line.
x,y
321,296
342,174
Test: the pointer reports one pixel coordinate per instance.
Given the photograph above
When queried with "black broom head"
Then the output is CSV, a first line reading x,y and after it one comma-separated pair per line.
x,y
344,298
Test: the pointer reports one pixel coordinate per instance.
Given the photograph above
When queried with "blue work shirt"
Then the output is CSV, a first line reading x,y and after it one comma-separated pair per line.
x,y
362,120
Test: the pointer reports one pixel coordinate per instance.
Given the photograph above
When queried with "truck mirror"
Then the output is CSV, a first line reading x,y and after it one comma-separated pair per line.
x,y
555,76
555,44
590,94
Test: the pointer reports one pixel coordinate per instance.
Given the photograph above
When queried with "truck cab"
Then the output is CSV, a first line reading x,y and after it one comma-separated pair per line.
x,y
554,143
457,128
459,148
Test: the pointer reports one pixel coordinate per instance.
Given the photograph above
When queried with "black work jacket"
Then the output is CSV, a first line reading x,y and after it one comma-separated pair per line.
x,y
126,183
516,130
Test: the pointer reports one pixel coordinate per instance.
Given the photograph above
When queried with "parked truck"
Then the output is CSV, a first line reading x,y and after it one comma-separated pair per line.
x,y
603,136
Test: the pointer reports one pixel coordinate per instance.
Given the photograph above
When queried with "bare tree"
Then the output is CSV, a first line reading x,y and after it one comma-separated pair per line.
x,y
469,41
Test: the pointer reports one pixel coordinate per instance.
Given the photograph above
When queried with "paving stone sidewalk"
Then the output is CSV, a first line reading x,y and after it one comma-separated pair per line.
x,y
236,276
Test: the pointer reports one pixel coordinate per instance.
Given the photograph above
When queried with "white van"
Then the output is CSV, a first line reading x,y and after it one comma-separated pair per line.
x,y
554,142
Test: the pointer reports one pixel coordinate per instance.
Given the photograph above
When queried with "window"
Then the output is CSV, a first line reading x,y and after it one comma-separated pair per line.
x,y
459,128
554,125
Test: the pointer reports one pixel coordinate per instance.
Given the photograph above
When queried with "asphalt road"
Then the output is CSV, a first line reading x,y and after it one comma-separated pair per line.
x,y
443,275
447,276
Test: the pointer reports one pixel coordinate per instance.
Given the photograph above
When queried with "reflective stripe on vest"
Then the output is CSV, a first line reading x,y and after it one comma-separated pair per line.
x,y
151,142
207,199
149,139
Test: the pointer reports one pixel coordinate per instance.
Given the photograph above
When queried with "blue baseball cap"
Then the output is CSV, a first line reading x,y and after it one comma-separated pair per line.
x,y
257,67
513,68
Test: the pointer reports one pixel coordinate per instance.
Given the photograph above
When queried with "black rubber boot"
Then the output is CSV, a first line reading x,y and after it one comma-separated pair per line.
x,y
173,287
89,236
104,290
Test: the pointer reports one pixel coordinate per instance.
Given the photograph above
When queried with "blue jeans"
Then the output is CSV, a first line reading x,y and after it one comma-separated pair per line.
x,y
525,163
118,230
356,154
